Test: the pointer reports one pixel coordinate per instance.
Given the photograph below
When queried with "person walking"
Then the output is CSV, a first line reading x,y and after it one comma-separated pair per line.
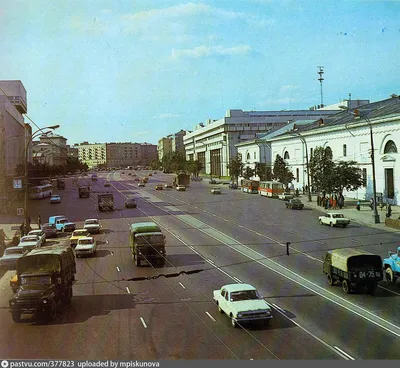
x,y
39,221
22,229
371,203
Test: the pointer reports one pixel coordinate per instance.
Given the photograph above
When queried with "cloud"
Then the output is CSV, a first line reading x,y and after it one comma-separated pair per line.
x,y
207,51
167,116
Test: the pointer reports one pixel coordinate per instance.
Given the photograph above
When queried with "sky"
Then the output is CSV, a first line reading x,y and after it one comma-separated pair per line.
x,y
139,70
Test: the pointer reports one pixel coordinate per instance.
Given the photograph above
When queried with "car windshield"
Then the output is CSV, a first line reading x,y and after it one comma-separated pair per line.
x,y
28,239
91,222
86,241
237,296
338,215
149,239
35,280
79,233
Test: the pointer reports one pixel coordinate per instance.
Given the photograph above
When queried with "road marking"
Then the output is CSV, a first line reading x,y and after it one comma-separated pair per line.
x,y
208,314
143,322
320,242
355,241
127,289
259,234
240,226
349,357
277,307
118,269
183,286
106,241
210,261
238,280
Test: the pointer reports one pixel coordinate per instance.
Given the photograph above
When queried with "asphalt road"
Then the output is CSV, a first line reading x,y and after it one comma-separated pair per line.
x,y
229,238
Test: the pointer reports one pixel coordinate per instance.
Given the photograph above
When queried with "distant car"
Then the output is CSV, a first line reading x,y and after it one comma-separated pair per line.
x,y
55,198
150,174
141,184
180,188
40,233
107,184
285,196
92,226
123,172
68,227
86,247
334,219
212,181
233,186
10,257
76,235
30,242
216,190
50,230
159,187
130,202
168,185
137,179
294,204
155,172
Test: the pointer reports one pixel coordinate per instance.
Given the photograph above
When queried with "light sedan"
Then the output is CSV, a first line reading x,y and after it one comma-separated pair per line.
x,y
76,235
92,226
55,198
180,188
40,233
334,219
86,247
29,242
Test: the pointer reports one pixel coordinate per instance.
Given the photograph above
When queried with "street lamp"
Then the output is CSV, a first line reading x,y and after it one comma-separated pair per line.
x,y
356,114
29,140
307,166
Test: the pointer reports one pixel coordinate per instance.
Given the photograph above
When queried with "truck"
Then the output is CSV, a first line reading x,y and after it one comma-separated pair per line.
x,y
84,192
44,280
391,266
147,243
353,269
105,201
182,179
60,183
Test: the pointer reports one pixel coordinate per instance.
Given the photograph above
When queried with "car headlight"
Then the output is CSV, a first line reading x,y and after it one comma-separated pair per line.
x,y
45,301
239,315
12,302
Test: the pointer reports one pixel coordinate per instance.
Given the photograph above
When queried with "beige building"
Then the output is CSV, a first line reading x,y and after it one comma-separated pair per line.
x,y
177,141
123,154
164,147
52,150
92,154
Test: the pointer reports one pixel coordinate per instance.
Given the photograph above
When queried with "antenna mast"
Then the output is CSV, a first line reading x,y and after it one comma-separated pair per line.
x,y
321,72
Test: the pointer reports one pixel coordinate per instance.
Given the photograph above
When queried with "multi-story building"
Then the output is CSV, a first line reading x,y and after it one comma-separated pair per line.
x,y
177,141
149,153
72,152
52,148
214,143
164,147
123,154
93,154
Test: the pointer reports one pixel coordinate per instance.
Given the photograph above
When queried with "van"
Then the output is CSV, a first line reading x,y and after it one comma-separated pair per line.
x,y
147,243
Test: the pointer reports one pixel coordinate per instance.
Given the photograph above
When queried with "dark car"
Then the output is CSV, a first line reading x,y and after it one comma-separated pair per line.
x,y
50,230
130,202
10,257
294,204
233,186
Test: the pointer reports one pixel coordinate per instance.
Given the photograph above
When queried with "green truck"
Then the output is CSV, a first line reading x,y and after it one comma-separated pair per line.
x,y
44,281
84,192
147,243
353,269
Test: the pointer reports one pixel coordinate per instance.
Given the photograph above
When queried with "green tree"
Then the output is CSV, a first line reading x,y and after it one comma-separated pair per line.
x,y
347,176
322,170
194,167
281,171
248,172
235,168
263,171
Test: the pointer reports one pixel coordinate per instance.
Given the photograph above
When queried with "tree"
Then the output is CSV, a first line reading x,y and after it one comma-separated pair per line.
x,y
347,176
263,171
322,170
248,172
235,167
281,171
194,167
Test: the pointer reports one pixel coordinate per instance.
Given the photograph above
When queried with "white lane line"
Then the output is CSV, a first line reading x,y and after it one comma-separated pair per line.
x,y
127,289
214,215
320,242
106,241
349,357
118,269
210,261
240,226
143,322
238,280
277,307
208,314
355,241
259,234
183,286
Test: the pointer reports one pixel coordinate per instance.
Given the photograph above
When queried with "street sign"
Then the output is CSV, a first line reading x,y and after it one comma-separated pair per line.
x,y
17,183
20,211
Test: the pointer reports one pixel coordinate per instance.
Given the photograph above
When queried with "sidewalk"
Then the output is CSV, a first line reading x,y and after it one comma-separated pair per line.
x,y
10,224
365,216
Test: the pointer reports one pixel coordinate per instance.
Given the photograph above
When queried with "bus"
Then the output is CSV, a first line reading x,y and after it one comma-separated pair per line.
x,y
270,188
249,186
40,191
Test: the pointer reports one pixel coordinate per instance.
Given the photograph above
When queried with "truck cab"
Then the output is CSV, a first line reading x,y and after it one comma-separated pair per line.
x,y
391,266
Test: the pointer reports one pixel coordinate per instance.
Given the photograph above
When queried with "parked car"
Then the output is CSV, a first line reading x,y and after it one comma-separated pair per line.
x,y
86,247
333,219
180,188
93,226
76,235
50,230
233,186
55,198
159,187
216,190
68,227
295,204
107,184
212,181
137,179
30,242
130,202
40,233
11,255
168,185
285,196
141,184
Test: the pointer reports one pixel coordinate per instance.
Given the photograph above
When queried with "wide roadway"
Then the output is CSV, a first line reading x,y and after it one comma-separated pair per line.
x,y
227,238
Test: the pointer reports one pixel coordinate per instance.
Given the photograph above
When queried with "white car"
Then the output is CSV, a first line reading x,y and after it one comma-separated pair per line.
x,y
86,247
334,219
30,242
92,226
242,303
216,190
55,198
285,196
180,188
40,233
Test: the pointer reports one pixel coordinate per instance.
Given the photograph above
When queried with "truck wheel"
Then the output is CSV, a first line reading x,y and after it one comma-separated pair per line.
x,y
138,262
16,316
330,280
344,225
52,312
345,286
233,322
371,288
390,277
320,222
220,310
68,295
332,224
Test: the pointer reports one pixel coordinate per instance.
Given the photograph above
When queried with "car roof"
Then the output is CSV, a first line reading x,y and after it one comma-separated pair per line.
x,y
238,287
334,213
86,238
92,219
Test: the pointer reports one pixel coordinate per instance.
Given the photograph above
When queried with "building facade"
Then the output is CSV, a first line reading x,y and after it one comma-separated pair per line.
x,y
177,141
54,148
92,154
164,147
123,154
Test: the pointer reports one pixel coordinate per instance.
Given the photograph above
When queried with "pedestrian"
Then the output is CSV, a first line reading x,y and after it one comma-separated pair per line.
x,y
318,200
22,229
297,192
358,205
39,221
371,203
389,210
2,242
335,200
327,204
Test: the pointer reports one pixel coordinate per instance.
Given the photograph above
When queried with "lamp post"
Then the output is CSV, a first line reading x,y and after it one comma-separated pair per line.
x,y
307,165
357,115
29,140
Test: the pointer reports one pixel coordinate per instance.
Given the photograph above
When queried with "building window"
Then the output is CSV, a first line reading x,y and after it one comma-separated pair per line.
x,y
255,155
297,174
286,155
344,150
364,177
248,156
390,147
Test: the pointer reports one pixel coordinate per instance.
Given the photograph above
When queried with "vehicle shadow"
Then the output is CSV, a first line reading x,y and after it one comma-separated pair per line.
x,y
180,260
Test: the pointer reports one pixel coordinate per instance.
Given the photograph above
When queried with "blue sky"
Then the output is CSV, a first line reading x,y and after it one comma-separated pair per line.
x,y
118,71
